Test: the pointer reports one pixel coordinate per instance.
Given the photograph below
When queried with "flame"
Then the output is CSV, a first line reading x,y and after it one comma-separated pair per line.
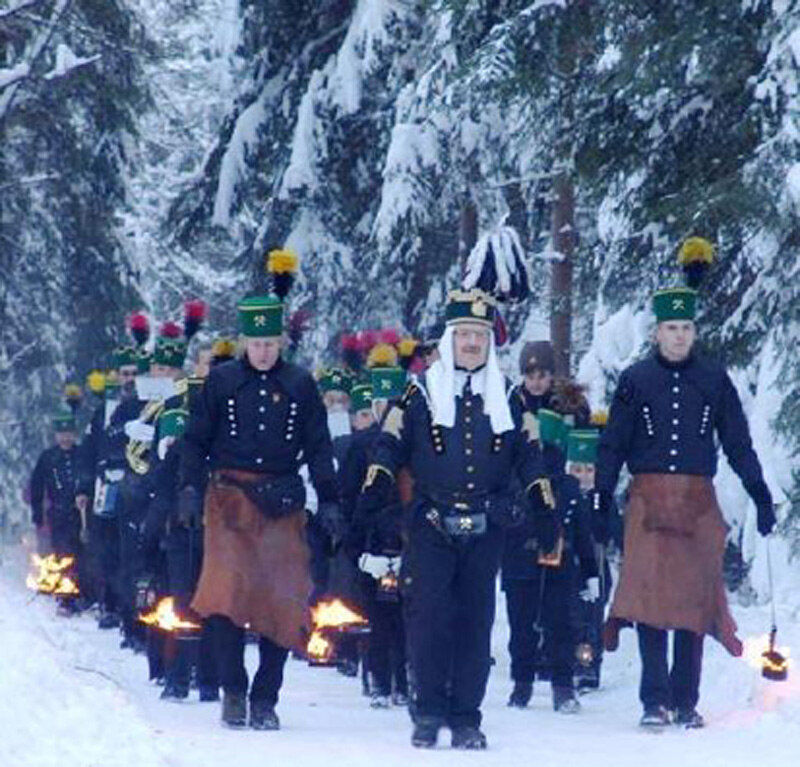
x,y
760,655
163,616
50,575
333,614
319,648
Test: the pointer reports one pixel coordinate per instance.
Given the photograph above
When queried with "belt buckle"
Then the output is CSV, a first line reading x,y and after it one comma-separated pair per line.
x,y
465,524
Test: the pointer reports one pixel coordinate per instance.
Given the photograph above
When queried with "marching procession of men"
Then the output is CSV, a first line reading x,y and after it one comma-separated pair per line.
x,y
404,482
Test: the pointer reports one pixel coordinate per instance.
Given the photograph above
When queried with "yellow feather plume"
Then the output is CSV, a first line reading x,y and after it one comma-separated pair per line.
x,y
96,381
282,262
407,346
223,347
599,418
696,249
382,356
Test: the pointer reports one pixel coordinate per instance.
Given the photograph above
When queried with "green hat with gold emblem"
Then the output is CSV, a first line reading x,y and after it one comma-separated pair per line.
x,y
387,383
261,317
172,423
552,428
675,304
582,445
170,352
64,420
143,359
361,397
126,354
335,379
470,306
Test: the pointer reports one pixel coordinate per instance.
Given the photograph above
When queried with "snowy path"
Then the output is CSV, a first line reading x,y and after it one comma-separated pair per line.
x,y
71,698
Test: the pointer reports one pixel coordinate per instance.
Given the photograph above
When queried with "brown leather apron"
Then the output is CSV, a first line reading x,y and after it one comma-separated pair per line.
x,y
255,569
671,574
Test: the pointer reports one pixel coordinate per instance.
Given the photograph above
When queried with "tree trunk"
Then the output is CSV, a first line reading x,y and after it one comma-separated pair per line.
x,y
467,231
561,276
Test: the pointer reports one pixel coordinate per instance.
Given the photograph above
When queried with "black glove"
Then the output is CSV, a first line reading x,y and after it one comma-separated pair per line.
x,y
765,520
330,517
190,507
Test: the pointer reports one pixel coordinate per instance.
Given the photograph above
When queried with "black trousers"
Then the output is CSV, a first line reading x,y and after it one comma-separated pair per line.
x,y
229,640
105,549
184,549
540,623
450,618
678,688
386,657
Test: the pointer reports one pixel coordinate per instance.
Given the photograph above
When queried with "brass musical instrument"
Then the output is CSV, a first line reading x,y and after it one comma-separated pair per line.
x,y
137,452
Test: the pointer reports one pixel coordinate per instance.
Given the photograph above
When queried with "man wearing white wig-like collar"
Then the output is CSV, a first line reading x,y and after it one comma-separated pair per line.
x,y
462,440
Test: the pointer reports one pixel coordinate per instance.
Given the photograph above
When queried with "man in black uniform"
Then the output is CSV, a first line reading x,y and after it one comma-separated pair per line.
x,y
102,466
456,431
257,420
665,415
53,489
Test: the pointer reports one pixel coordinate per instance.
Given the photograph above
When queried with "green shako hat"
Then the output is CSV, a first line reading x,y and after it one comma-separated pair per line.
x,y
170,352
387,383
335,379
172,423
675,304
64,420
360,397
470,306
143,359
552,428
260,317
582,445
124,355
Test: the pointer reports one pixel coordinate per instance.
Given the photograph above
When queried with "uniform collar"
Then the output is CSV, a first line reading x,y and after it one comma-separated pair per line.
x,y
682,365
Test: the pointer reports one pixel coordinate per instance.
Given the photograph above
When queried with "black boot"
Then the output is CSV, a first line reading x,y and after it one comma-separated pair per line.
x,y
426,732
521,694
689,718
173,691
234,710
263,716
654,717
564,700
208,693
469,738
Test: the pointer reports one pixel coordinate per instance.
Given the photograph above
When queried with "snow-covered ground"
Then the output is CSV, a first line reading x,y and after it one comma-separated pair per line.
x,y
70,697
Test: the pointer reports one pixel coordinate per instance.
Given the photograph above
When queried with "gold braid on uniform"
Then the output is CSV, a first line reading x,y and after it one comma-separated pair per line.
x,y
545,491
372,474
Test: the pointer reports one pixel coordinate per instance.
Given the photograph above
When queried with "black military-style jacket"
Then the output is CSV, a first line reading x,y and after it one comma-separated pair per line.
x,y
268,422
103,446
54,480
468,458
666,418
574,514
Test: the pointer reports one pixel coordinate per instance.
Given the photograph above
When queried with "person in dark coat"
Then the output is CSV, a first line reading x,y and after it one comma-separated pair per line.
x,y
53,486
581,461
102,466
376,543
541,576
256,422
667,414
462,440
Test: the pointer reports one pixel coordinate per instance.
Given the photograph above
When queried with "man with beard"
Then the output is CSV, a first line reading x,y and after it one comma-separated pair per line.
x,y
457,432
